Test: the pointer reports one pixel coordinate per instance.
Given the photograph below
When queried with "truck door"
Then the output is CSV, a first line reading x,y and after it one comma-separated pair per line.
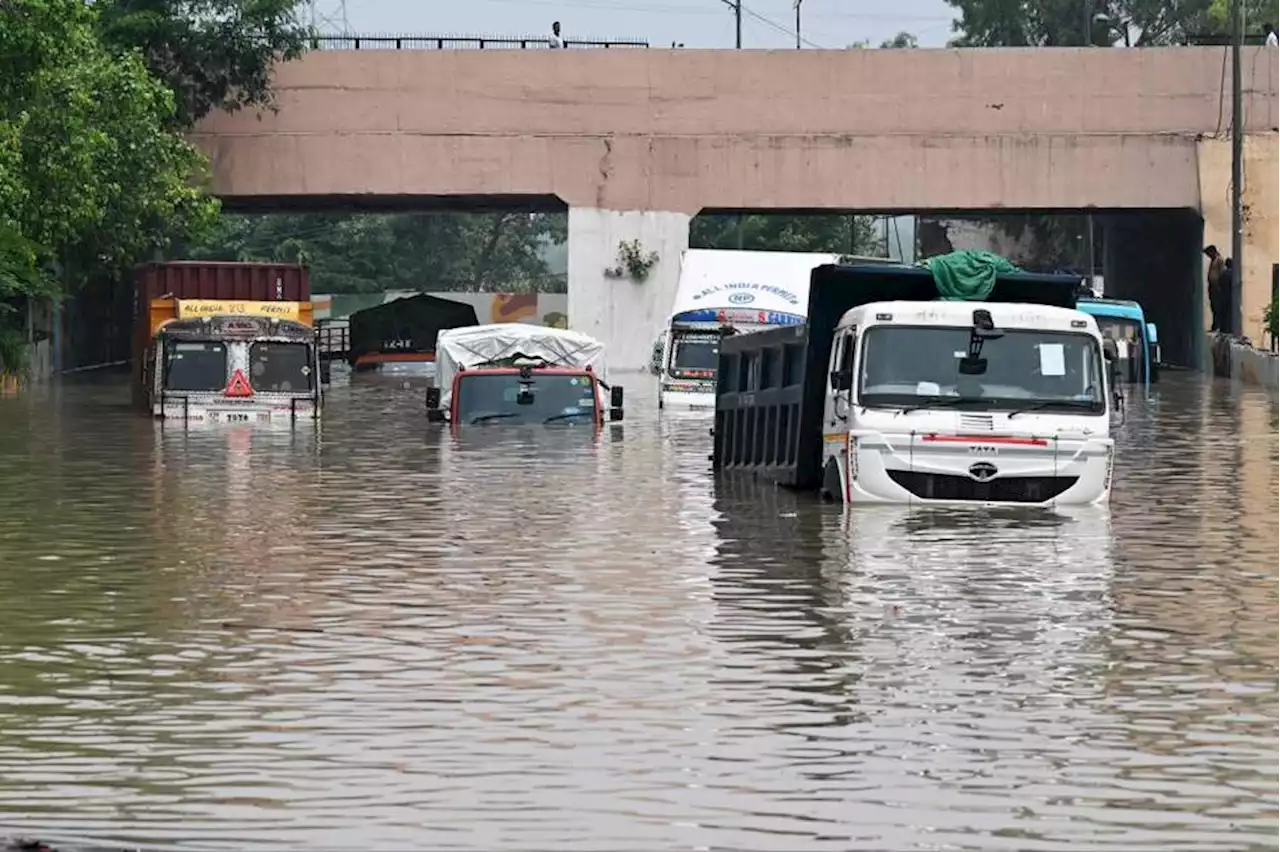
x,y
839,382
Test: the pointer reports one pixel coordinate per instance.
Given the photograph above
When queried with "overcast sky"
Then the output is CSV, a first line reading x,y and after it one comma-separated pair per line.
x,y
695,23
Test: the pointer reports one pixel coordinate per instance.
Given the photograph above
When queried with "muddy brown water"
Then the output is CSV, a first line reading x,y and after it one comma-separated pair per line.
x,y
375,636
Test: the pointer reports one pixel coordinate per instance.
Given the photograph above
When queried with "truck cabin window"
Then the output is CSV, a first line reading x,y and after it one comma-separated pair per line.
x,y
1120,330
280,367
195,366
695,355
542,398
916,365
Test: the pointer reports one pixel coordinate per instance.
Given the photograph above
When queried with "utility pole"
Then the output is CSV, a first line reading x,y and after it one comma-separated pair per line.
x,y
1237,170
736,6
797,4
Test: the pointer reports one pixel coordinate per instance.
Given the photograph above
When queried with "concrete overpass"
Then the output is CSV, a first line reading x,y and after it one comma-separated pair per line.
x,y
637,142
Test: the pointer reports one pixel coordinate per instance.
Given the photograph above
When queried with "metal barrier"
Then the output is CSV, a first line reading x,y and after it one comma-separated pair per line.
x,y
353,41
333,340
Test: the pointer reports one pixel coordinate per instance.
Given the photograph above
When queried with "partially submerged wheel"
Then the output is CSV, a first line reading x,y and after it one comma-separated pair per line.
x,y
832,491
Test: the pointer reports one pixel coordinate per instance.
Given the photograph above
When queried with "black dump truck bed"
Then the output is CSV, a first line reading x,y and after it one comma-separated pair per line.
x,y
771,385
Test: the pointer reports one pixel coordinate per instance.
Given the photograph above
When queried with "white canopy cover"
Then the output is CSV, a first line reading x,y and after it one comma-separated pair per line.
x,y
471,346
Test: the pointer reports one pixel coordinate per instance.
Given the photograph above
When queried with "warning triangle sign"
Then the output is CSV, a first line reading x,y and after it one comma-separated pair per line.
x,y
239,385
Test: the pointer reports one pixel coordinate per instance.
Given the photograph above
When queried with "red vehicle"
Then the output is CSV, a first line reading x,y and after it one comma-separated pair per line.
x,y
520,374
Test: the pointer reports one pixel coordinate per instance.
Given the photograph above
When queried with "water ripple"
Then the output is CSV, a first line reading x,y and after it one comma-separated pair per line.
x,y
375,636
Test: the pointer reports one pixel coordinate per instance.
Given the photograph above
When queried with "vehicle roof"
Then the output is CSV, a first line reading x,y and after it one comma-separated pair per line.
x,y
1111,307
1011,314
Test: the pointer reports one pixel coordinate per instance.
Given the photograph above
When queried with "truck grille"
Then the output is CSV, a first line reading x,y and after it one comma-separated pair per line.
x,y
1007,489
976,422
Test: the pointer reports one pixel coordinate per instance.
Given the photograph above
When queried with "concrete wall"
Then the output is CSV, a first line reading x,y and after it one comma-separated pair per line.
x,y
636,142
685,130
1262,219
1245,365
626,314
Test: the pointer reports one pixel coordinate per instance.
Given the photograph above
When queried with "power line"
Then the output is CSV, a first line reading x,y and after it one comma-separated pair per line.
x,y
787,31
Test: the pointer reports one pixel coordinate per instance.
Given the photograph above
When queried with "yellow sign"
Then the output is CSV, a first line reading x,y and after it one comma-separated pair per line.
x,y
196,308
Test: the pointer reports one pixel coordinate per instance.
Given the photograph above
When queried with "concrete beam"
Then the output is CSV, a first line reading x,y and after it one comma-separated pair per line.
x,y
686,130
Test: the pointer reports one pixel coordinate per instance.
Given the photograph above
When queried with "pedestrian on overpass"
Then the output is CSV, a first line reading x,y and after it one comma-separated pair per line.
x,y
555,41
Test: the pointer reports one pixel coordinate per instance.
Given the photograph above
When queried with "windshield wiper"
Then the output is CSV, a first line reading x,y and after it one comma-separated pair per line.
x,y
566,415
499,416
940,402
1049,403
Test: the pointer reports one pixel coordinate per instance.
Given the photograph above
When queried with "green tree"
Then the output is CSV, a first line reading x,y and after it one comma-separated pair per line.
x,y
839,233
418,251
214,54
90,179
902,40
1049,23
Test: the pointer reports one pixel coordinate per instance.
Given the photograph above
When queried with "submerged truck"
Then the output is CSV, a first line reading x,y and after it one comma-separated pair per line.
x,y
219,342
891,394
519,374
724,292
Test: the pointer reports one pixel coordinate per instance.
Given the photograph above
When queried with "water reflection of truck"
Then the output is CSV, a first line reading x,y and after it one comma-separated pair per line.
x,y
889,395
721,292
515,373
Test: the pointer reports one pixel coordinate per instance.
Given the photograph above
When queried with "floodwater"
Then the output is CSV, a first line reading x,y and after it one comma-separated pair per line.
x,y
374,637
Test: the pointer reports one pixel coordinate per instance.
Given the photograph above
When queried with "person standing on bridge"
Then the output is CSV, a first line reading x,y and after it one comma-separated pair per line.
x,y
555,41
1216,265
1270,32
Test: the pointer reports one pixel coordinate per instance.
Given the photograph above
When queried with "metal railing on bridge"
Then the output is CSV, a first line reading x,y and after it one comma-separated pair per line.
x,y
383,41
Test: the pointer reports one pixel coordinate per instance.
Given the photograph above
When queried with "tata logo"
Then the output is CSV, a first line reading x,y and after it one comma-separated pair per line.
x,y
741,298
983,471
983,450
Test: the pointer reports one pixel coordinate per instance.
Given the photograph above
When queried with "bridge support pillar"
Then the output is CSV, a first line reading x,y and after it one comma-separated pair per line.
x,y
623,312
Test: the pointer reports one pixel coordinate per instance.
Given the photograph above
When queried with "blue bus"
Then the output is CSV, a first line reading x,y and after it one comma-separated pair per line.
x,y
1124,322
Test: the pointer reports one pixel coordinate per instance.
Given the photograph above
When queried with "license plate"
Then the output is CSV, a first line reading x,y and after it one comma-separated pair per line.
x,y
234,416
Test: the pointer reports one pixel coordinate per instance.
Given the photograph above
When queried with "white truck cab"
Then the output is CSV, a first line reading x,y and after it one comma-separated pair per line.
x,y
964,402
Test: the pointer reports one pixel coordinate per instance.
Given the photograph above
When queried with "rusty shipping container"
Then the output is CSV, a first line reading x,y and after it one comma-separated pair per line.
x,y
210,279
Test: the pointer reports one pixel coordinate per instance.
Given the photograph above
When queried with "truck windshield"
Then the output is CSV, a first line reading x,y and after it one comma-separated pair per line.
x,y
1120,329
195,366
919,365
542,398
695,354
278,367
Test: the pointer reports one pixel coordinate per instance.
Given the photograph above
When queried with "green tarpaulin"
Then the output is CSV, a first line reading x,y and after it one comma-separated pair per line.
x,y
967,275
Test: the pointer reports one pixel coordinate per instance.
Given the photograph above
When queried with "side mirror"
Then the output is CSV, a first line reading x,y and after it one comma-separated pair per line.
x,y
1109,350
615,413
615,399
1152,335
433,399
435,415
841,380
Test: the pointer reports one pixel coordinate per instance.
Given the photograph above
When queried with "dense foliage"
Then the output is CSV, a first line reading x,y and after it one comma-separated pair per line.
x,y
487,252
1047,23
214,54
90,177
363,253
837,233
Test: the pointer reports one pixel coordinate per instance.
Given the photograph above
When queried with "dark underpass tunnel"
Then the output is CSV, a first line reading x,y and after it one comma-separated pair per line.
x,y
1153,257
